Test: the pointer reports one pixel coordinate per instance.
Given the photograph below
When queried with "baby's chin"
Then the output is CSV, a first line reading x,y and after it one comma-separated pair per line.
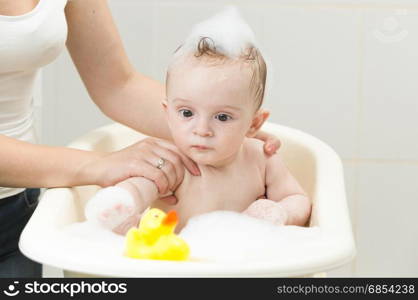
x,y
202,157
207,158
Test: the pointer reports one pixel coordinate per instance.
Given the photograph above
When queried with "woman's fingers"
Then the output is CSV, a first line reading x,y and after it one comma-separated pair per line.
x,y
172,167
154,159
170,200
166,167
271,142
188,163
145,169
165,159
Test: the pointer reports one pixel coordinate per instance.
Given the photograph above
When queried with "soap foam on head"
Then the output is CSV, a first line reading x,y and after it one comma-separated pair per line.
x,y
229,32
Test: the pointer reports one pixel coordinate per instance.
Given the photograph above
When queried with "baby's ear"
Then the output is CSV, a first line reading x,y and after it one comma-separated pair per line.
x,y
258,120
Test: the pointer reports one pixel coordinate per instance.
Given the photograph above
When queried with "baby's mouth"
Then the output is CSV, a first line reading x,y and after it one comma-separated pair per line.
x,y
200,147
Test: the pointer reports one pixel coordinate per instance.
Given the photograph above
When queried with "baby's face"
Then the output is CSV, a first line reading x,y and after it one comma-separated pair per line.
x,y
210,109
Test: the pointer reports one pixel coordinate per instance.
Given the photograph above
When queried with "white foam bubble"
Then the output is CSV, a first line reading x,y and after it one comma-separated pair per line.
x,y
231,236
230,34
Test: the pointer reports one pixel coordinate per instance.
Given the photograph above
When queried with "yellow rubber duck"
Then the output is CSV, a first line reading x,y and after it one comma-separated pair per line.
x,y
155,238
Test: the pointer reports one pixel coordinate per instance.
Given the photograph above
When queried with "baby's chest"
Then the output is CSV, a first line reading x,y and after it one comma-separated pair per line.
x,y
202,194
230,191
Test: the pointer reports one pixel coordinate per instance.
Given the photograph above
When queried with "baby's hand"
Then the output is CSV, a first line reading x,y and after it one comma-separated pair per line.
x,y
111,207
267,210
130,222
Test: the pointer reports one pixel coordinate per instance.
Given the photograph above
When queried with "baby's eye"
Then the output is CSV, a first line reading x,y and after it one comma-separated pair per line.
x,y
223,117
186,113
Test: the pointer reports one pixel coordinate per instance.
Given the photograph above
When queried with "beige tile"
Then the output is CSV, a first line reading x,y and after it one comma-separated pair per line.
x,y
389,126
134,20
351,187
387,231
314,54
67,111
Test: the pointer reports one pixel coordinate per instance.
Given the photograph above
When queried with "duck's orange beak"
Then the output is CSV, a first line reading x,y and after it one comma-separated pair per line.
x,y
170,219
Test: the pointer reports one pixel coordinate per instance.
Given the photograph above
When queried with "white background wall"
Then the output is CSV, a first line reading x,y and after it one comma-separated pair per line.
x,y
344,71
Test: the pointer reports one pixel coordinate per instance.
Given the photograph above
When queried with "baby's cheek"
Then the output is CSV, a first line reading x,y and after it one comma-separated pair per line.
x,y
182,144
230,144
180,130
178,138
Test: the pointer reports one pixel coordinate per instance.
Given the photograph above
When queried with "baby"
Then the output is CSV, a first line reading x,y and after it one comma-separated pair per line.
x,y
215,87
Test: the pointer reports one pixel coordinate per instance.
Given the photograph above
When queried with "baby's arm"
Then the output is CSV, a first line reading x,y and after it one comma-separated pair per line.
x,y
287,203
119,207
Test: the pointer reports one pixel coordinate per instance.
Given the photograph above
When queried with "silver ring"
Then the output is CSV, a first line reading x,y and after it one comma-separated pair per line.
x,y
160,163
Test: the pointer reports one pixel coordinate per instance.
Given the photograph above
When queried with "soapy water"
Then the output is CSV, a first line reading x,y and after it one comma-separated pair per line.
x,y
216,236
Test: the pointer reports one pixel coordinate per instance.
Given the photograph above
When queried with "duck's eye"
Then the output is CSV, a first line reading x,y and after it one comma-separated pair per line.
x,y
155,216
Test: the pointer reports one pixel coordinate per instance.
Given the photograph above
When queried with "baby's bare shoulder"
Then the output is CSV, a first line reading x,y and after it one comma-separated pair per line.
x,y
254,148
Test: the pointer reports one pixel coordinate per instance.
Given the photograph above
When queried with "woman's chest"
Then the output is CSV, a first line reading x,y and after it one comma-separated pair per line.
x,y
17,8
31,36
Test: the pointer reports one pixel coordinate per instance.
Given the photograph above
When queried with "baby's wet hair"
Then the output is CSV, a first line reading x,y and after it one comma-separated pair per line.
x,y
251,56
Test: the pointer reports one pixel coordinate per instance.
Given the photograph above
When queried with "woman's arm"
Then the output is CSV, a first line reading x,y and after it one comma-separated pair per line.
x,y
26,165
123,94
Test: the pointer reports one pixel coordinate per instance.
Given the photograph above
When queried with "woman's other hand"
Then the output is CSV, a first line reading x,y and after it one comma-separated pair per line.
x,y
271,142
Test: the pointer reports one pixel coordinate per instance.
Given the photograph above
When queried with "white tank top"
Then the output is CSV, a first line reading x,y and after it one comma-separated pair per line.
x,y
27,42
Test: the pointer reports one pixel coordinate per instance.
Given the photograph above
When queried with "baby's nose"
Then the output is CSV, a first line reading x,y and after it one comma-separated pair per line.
x,y
203,131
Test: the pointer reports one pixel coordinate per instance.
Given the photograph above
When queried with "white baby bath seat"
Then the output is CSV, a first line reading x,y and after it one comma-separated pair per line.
x,y
222,243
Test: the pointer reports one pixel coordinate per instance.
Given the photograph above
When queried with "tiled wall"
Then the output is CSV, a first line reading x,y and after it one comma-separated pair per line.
x,y
344,71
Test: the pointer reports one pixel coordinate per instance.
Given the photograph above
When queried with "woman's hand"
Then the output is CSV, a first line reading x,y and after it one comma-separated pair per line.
x,y
271,142
142,160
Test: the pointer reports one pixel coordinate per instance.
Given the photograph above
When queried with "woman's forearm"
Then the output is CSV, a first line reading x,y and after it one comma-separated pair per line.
x,y
137,104
27,165
117,89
